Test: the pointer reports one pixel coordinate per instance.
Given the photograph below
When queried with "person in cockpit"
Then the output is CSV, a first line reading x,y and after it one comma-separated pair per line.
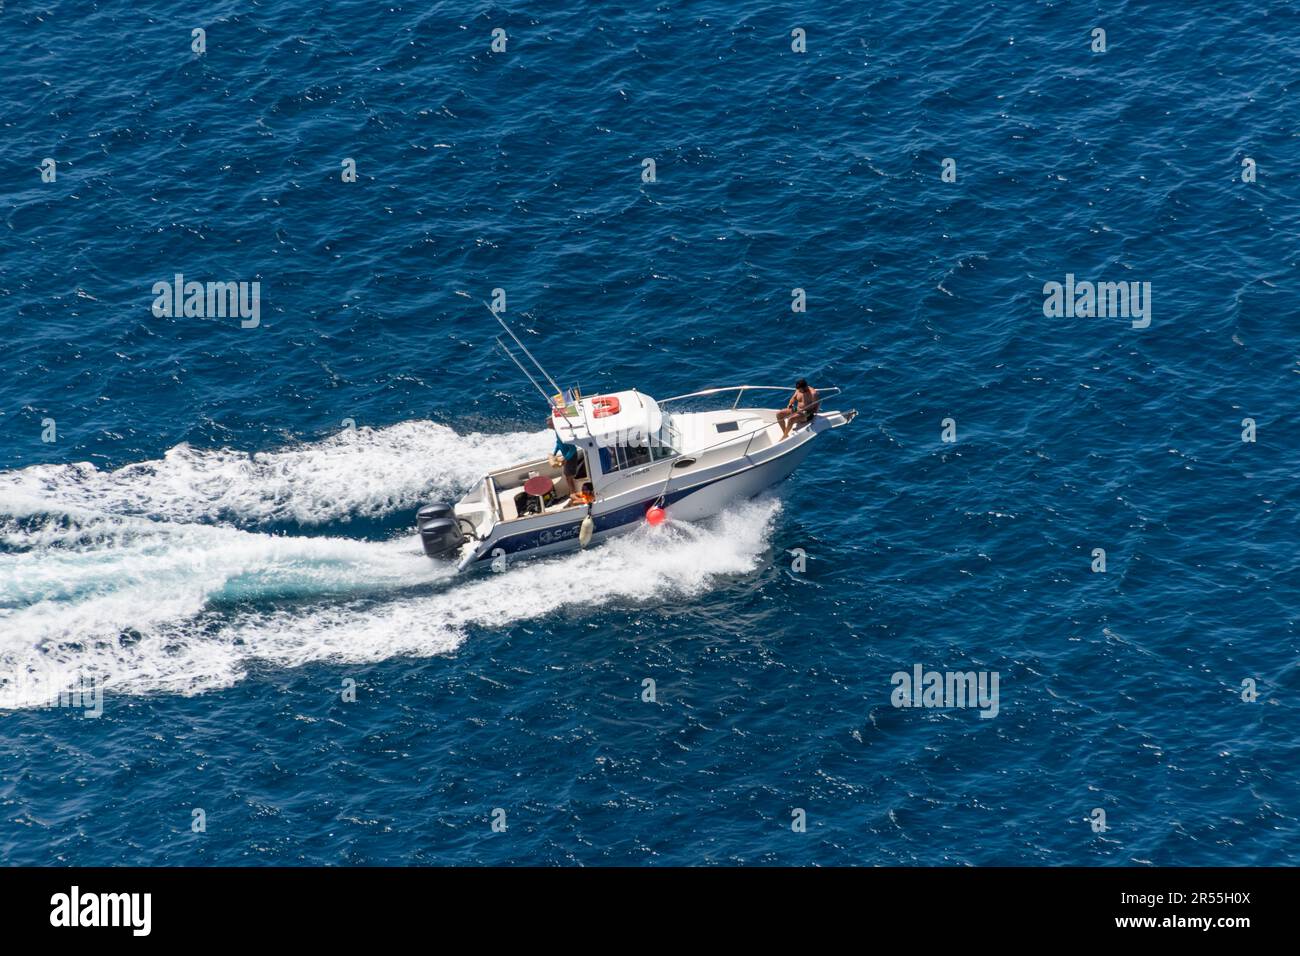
x,y
574,461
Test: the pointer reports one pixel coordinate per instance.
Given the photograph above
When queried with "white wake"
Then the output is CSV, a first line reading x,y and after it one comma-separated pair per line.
x,y
108,577
366,472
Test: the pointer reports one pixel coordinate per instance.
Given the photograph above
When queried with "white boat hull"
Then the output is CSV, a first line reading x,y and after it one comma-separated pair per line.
x,y
699,490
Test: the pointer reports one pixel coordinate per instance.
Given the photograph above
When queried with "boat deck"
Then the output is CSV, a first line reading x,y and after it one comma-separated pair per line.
x,y
509,485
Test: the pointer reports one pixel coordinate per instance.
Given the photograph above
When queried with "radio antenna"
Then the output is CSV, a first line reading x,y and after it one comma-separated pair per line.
x,y
538,365
511,356
550,403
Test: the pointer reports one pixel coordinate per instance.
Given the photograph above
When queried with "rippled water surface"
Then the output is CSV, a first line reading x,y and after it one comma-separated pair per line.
x,y
221,530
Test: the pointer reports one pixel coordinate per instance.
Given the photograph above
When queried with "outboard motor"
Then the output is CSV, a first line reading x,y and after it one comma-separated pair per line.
x,y
439,530
439,509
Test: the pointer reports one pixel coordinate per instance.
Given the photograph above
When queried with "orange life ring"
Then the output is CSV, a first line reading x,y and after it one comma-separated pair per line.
x,y
604,405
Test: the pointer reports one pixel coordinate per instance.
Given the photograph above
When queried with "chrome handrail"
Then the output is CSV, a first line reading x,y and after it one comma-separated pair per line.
x,y
620,476
695,453
829,391
671,462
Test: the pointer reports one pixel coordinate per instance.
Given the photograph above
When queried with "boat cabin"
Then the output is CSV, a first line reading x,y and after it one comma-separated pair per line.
x,y
614,434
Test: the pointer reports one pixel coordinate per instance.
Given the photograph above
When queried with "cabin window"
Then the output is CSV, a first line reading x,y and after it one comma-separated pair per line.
x,y
668,436
659,447
618,457
636,456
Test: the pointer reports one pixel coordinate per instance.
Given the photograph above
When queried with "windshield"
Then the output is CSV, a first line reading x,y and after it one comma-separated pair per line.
x,y
669,437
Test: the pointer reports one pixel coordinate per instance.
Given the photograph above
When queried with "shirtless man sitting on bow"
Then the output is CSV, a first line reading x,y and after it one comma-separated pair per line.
x,y
800,409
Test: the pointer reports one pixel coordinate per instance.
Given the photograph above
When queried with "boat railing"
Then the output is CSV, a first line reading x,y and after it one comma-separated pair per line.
x,y
740,390
619,477
697,453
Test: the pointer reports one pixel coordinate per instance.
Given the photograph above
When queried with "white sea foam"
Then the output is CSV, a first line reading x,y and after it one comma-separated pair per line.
x,y
160,604
367,472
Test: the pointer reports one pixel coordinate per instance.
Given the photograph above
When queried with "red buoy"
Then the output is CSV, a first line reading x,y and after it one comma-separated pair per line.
x,y
656,515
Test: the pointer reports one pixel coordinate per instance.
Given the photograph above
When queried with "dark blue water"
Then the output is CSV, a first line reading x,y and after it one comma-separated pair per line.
x,y
208,539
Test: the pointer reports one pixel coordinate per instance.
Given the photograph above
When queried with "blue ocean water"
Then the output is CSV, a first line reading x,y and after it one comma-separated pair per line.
x,y
221,528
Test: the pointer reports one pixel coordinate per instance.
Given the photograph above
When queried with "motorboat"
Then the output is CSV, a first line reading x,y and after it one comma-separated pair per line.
x,y
632,460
